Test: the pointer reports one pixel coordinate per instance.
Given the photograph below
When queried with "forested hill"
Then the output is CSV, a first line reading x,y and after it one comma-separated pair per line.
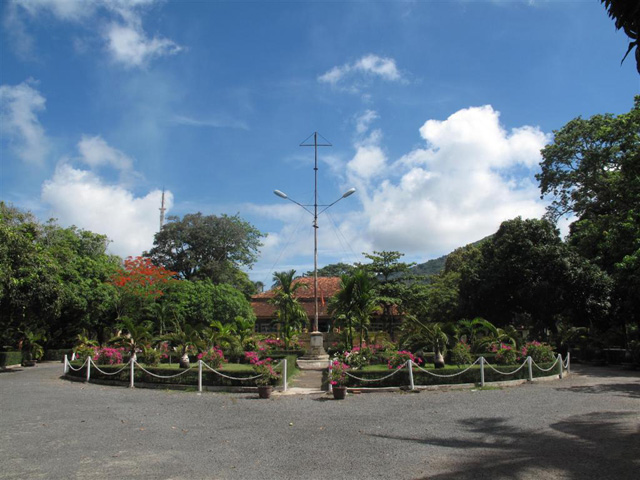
x,y
436,265
430,267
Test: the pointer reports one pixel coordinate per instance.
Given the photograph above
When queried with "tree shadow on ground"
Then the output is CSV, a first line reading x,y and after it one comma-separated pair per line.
x,y
631,390
604,371
596,445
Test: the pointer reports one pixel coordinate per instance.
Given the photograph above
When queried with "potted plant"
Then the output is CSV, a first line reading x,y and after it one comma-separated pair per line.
x,y
267,377
338,379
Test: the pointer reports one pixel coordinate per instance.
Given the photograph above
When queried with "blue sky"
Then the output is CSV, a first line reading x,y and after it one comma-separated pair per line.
x,y
436,112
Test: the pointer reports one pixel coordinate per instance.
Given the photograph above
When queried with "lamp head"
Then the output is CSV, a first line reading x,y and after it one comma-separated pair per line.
x,y
280,194
351,191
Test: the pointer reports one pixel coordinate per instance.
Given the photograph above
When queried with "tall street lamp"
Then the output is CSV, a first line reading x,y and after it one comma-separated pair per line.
x,y
317,351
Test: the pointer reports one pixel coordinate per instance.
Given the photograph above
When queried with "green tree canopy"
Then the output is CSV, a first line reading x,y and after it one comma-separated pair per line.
x,y
592,171
207,246
526,274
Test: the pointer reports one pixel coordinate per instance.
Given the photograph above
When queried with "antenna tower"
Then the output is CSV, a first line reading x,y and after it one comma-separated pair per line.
x,y
162,210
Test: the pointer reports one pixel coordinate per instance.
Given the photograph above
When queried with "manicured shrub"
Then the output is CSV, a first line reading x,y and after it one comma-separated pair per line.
x,y
505,354
539,352
461,354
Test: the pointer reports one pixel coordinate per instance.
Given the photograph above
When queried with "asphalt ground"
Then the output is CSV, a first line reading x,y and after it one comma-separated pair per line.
x,y
581,427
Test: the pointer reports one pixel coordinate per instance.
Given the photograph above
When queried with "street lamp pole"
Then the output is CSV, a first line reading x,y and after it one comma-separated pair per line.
x,y
314,324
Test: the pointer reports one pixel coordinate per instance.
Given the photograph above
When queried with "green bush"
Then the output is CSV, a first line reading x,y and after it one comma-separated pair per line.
x,y
57,355
461,354
10,358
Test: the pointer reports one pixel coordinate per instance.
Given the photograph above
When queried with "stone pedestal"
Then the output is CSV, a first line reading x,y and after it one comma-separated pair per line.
x,y
316,358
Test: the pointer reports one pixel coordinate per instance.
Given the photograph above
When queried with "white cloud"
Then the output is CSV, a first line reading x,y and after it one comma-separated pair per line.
x,y
95,152
19,123
120,22
79,197
365,120
456,190
129,45
366,67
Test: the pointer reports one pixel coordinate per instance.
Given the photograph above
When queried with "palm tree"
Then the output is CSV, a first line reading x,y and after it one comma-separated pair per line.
x,y
184,337
136,337
419,335
290,315
354,303
244,328
222,335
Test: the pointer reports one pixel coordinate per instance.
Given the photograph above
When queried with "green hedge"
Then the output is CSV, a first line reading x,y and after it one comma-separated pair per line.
x,y
470,376
57,355
10,358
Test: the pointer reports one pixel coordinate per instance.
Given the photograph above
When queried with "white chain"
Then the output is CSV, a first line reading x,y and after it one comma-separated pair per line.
x,y
161,376
543,369
446,376
107,373
507,373
79,368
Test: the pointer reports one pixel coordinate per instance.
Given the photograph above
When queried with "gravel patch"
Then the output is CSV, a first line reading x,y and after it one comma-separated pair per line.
x,y
584,426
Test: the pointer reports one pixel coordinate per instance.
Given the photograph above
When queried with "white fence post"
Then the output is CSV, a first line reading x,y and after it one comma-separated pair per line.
x,y
560,362
284,375
482,371
330,385
131,372
409,366
200,376
530,364
568,363
88,368
66,365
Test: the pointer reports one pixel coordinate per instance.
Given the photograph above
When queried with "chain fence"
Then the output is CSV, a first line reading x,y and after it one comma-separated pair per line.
x,y
132,364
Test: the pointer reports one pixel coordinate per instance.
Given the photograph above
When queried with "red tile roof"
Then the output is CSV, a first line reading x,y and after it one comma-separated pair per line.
x,y
327,287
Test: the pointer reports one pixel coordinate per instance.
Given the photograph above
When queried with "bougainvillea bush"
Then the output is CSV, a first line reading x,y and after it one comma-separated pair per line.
x,y
212,357
399,359
505,354
539,352
338,373
108,355
461,354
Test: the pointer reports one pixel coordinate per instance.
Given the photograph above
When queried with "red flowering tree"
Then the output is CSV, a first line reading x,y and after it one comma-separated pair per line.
x,y
139,283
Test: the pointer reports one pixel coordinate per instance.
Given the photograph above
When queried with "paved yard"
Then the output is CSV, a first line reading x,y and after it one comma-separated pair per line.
x,y
585,426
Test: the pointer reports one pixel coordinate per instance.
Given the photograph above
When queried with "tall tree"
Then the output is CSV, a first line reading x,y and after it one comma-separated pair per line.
x,y
31,294
355,302
290,316
392,287
592,171
207,246
526,274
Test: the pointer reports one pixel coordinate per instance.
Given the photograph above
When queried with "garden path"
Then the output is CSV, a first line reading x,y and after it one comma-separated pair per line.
x,y
308,379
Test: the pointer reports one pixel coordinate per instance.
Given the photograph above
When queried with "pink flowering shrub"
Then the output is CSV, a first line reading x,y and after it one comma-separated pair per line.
x,y
539,352
264,368
212,357
108,355
505,354
252,357
399,359
461,354
338,373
